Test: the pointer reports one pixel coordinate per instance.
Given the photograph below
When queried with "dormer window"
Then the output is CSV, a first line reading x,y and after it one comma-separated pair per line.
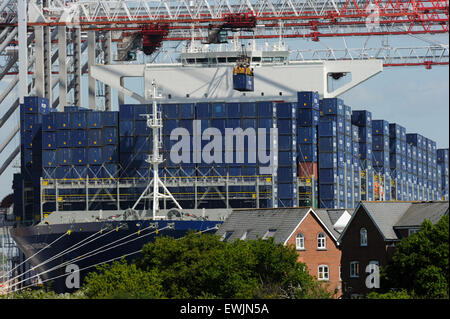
x,y
269,233
226,235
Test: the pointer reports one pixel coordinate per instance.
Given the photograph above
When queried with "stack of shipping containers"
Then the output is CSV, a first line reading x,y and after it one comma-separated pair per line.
x,y
416,141
442,162
31,113
352,177
432,169
333,167
348,155
307,121
363,120
380,155
398,160
286,179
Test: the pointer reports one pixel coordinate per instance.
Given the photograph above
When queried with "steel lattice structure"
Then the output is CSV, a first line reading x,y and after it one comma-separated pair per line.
x,y
38,37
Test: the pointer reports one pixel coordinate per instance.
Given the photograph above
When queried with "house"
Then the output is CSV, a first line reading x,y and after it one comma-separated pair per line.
x,y
314,234
372,233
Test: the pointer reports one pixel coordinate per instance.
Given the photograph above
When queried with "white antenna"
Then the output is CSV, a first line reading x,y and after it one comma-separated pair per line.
x,y
154,121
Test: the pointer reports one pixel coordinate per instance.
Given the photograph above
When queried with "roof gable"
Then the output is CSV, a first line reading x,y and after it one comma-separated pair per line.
x,y
323,222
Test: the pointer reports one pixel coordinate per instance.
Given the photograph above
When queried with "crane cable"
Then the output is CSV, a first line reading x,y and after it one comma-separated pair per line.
x,y
92,252
67,250
39,251
112,259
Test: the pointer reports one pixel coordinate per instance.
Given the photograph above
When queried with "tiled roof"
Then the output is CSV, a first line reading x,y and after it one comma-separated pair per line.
x,y
417,212
257,222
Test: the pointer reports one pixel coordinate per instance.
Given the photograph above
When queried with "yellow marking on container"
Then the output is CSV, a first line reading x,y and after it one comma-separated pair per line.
x,y
49,145
44,183
156,232
253,195
60,199
69,232
17,218
64,124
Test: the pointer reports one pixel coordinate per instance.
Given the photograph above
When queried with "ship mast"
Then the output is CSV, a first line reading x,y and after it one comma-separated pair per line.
x,y
154,121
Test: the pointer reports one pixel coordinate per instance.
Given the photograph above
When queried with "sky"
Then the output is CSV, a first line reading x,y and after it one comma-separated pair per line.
x,y
413,97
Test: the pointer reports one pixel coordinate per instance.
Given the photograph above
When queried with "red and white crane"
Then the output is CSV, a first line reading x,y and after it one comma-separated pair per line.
x,y
56,41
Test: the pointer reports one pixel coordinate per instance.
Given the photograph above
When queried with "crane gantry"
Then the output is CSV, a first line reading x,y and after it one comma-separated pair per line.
x,y
46,46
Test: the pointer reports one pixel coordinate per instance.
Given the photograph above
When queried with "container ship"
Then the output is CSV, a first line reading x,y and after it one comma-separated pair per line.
x,y
238,141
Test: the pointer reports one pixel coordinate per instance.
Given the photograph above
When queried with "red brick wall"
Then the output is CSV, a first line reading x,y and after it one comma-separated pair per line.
x,y
376,249
312,257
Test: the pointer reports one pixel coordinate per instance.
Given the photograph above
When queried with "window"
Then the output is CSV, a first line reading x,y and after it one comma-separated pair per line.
x,y
300,242
244,235
269,233
354,269
321,241
412,231
226,235
363,237
340,273
323,273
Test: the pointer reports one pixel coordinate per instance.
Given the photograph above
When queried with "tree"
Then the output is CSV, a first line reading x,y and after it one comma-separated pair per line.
x,y
120,280
420,263
204,266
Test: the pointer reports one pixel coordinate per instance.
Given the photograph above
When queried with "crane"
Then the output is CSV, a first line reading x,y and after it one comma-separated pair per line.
x,y
47,46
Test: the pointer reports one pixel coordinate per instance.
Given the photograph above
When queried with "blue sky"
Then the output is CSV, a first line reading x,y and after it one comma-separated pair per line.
x,y
413,97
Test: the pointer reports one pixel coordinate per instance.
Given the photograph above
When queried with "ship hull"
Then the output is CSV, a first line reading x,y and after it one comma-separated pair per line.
x,y
57,250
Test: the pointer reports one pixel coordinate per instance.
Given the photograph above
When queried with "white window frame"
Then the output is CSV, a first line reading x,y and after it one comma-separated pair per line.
x,y
354,270
244,235
321,241
363,243
269,233
300,239
227,235
323,272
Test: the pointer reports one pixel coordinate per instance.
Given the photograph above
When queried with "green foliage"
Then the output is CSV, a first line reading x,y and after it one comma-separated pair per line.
x,y
420,263
201,267
205,267
42,293
120,280
400,294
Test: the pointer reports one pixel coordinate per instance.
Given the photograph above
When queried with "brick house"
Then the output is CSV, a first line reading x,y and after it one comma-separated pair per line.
x,y
372,233
314,234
